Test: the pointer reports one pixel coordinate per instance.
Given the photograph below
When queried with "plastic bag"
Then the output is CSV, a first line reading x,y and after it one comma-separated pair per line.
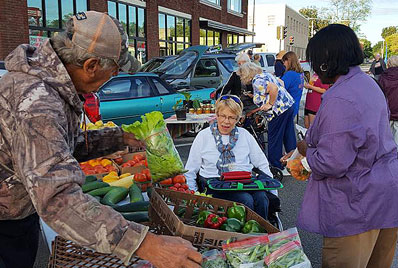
x,y
277,240
162,156
289,255
247,253
298,167
214,259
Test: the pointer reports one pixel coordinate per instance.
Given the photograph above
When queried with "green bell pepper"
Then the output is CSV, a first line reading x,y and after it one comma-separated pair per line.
x,y
202,217
237,212
252,226
231,225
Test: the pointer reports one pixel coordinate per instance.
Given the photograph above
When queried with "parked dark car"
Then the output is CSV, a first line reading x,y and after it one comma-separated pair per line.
x,y
3,70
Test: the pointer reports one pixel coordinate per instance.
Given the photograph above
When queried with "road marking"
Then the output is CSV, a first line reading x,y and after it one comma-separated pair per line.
x,y
183,144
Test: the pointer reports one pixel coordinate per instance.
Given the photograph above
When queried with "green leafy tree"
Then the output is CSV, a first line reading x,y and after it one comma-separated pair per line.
x,y
349,12
315,21
367,48
387,31
392,44
378,48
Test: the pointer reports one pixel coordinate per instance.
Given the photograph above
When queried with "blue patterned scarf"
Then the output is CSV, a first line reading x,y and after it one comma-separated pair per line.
x,y
226,156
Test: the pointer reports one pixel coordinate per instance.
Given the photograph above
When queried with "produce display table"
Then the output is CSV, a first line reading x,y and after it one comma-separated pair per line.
x,y
180,127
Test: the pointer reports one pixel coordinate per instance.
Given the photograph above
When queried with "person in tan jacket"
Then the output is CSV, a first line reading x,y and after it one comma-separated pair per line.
x,y
41,143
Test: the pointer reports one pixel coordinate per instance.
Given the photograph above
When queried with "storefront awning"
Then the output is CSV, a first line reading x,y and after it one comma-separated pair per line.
x,y
204,23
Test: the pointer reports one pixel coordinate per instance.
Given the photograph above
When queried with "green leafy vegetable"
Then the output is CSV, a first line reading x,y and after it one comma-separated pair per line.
x,y
163,159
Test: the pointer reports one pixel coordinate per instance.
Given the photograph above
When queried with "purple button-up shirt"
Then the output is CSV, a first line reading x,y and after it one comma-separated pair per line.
x,y
354,183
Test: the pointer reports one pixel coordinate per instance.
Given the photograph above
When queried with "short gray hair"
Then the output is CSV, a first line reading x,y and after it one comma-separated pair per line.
x,y
248,71
392,62
69,53
242,57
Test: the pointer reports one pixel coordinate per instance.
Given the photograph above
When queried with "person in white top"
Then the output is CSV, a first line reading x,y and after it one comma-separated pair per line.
x,y
225,147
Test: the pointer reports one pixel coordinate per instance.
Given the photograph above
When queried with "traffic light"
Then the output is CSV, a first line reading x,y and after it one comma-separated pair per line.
x,y
284,32
278,32
291,40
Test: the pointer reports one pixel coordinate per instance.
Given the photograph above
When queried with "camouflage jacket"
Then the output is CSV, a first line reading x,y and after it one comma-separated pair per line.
x,y
39,131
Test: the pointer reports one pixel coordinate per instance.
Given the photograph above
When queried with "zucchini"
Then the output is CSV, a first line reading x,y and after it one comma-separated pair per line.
x,y
114,196
133,207
140,216
93,185
135,194
101,191
90,178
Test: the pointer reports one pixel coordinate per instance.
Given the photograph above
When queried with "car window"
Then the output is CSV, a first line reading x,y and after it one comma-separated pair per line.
x,y
116,89
229,63
160,87
149,66
2,65
261,61
140,87
179,65
270,60
206,68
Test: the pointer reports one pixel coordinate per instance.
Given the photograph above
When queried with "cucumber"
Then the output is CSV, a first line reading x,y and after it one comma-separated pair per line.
x,y
90,178
135,194
101,191
93,185
114,196
133,207
141,216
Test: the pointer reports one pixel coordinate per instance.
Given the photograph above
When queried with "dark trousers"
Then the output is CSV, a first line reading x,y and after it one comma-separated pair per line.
x,y
255,200
281,133
19,241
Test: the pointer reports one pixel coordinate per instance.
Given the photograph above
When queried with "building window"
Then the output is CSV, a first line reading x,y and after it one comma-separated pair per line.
x,y
271,20
174,34
216,2
133,20
235,5
233,39
209,37
47,17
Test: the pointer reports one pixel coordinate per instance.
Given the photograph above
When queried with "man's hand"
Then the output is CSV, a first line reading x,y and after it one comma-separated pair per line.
x,y
302,147
168,251
130,140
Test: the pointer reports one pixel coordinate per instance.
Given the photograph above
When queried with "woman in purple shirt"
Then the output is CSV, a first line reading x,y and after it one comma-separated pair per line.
x,y
352,195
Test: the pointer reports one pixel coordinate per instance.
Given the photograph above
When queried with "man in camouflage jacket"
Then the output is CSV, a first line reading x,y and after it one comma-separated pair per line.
x,y
40,111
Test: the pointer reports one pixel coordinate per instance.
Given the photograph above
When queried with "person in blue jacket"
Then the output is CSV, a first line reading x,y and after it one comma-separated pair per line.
x,y
293,78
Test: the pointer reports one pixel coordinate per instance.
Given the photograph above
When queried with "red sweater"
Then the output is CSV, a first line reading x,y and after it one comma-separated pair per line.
x,y
389,84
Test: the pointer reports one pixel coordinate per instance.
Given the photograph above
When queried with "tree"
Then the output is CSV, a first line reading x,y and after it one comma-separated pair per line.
x,y
349,12
367,48
378,48
316,23
387,31
392,44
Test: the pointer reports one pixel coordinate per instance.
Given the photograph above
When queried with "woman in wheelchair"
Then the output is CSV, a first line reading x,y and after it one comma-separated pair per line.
x,y
224,147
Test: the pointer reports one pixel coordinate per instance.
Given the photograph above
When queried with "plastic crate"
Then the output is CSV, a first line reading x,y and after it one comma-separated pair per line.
x,y
165,203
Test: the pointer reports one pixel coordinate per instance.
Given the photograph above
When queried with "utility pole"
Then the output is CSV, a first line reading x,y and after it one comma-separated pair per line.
x,y
254,11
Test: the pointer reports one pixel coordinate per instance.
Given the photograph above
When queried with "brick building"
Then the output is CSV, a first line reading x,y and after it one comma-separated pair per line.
x,y
155,27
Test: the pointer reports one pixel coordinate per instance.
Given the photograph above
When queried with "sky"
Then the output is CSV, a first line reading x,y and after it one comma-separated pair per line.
x,y
384,13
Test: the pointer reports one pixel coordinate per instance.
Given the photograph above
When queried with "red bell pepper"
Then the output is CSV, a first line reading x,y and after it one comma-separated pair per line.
x,y
214,222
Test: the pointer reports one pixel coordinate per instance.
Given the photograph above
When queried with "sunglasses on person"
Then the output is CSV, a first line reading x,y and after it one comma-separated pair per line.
x,y
233,97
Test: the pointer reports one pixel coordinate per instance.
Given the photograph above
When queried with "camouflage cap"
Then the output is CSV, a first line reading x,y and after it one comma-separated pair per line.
x,y
104,36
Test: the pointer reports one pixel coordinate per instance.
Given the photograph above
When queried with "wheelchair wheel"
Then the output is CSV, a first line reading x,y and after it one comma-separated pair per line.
x,y
278,174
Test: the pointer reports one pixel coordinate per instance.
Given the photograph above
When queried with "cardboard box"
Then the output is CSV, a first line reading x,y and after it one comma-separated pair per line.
x,y
165,203
132,170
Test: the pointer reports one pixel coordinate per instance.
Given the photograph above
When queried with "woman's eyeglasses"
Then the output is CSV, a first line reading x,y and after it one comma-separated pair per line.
x,y
229,118
233,97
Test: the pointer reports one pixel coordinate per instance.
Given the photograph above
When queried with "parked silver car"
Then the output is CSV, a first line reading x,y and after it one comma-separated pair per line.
x,y
3,70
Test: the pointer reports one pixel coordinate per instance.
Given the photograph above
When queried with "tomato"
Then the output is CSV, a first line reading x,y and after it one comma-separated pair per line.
x,y
144,187
138,157
173,188
192,192
179,179
168,181
177,185
139,177
127,164
110,168
147,173
99,169
181,189
118,160
185,186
